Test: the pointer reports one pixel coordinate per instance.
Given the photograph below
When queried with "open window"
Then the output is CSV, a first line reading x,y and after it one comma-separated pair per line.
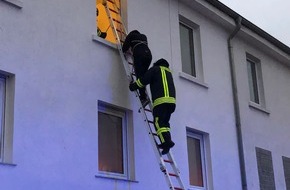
x,y
104,29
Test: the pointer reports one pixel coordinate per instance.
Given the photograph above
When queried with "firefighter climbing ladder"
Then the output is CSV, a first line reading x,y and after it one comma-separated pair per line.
x,y
172,175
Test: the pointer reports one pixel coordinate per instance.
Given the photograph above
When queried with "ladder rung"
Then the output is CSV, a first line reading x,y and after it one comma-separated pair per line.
x,y
112,10
120,31
117,21
168,161
111,1
155,134
148,110
177,188
150,122
174,175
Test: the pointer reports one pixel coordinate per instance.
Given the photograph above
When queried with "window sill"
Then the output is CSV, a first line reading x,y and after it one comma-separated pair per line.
x,y
16,3
258,107
115,178
7,164
192,79
96,38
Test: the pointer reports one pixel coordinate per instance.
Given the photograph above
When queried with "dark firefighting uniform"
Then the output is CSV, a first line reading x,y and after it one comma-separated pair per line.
x,y
163,97
141,54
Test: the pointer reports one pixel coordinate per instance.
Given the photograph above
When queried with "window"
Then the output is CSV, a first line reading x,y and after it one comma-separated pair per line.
x,y
286,165
196,160
102,21
114,142
7,81
190,47
265,169
255,80
187,49
2,103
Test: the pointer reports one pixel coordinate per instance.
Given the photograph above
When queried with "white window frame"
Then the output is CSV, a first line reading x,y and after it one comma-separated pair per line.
x,y
191,134
198,78
127,132
261,105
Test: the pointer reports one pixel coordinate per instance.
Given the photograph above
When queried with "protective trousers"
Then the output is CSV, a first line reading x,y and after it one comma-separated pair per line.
x,y
142,59
162,114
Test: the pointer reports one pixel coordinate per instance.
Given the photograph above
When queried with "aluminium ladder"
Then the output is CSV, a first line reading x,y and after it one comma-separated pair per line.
x,y
172,175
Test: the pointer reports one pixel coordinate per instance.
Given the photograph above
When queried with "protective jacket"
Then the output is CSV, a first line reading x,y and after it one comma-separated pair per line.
x,y
161,83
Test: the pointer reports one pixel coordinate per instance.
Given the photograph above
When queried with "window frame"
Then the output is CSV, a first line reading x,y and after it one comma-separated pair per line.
x,y
7,123
192,134
191,40
286,163
198,78
128,145
253,81
2,116
261,103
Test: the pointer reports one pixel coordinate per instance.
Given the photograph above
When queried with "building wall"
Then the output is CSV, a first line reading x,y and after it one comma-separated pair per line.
x,y
270,130
61,73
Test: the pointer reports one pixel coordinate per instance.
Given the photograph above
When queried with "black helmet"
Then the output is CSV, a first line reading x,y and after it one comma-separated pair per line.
x,y
161,62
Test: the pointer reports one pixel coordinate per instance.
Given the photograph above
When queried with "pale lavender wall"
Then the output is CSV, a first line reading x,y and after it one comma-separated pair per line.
x,y
61,73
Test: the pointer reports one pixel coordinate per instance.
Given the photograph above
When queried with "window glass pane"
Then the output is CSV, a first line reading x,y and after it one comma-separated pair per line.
x,y
2,100
110,143
253,83
286,165
195,162
187,49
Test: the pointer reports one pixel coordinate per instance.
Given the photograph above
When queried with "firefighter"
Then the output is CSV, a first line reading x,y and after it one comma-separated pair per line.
x,y
163,97
142,57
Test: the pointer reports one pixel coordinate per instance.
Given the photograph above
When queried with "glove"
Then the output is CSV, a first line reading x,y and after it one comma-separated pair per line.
x,y
133,86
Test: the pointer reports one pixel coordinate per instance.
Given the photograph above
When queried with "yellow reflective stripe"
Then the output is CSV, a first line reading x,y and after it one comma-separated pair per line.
x,y
158,128
163,75
165,68
162,130
162,100
139,84
164,79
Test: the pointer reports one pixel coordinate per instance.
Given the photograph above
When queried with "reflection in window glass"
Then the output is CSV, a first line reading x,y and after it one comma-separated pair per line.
x,y
187,49
110,143
195,161
253,82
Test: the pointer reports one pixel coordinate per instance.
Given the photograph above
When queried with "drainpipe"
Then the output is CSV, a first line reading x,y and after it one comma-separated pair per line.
x,y
236,104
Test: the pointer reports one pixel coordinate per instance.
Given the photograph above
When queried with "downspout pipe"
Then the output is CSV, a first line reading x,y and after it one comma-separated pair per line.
x,y
236,104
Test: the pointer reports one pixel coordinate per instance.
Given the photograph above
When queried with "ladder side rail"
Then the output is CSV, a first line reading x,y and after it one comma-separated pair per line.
x,y
175,169
150,132
119,12
126,66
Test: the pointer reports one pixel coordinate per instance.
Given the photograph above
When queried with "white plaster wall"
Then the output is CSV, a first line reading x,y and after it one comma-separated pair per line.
x,y
208,110
267,131
61,73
